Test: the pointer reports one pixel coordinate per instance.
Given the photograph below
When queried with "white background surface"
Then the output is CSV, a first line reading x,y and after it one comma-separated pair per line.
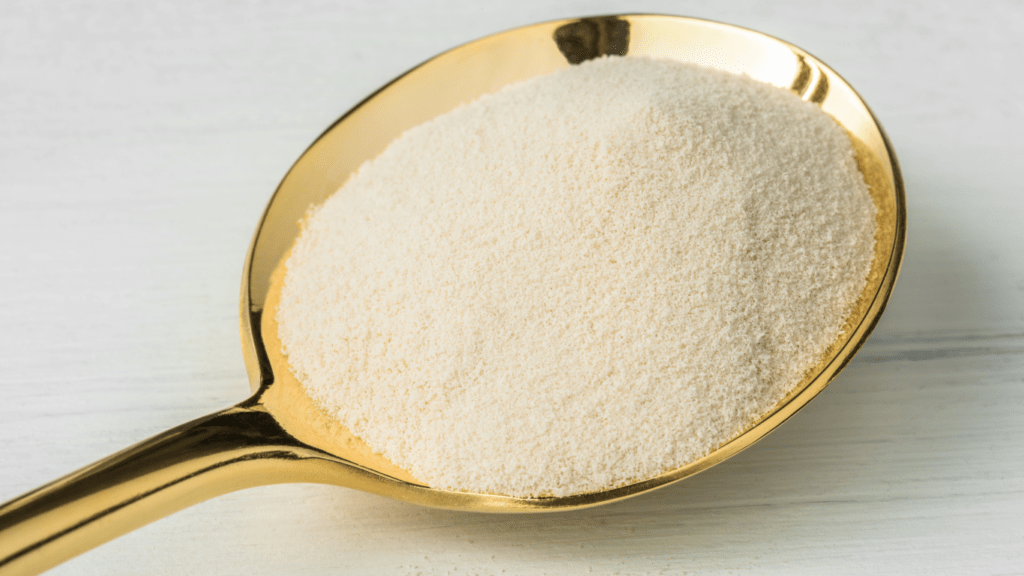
x,y
139,143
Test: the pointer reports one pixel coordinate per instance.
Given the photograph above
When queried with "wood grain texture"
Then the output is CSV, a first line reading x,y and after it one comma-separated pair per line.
x,y
139,143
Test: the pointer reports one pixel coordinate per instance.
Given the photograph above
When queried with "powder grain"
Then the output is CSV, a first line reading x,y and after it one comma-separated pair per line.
x,y
581,281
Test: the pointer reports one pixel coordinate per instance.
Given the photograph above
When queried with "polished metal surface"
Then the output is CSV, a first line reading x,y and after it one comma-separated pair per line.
x,y
272,437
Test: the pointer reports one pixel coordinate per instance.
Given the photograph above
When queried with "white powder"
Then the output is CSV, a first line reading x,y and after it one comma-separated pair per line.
x,y
581,281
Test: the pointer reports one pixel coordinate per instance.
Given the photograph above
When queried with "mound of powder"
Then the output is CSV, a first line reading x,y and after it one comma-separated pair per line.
x,y
581,281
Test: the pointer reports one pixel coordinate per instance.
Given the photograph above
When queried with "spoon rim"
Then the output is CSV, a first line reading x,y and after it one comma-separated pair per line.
x,y
261,370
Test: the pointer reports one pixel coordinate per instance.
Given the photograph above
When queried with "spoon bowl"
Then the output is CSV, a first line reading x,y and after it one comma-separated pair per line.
x,y
278,435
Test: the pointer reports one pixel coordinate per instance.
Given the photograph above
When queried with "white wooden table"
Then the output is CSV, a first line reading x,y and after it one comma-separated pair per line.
x,y
139,143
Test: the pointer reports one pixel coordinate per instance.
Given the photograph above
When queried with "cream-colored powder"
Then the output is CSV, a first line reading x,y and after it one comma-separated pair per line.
x,y
581,281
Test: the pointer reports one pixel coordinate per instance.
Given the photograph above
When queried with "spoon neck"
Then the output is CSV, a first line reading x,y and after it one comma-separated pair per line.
x,y
240,447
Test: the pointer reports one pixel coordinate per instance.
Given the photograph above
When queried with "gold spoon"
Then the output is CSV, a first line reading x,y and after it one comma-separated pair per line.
x,y
278,436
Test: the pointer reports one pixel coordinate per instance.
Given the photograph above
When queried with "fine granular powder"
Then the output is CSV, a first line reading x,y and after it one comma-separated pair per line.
x,y
581,281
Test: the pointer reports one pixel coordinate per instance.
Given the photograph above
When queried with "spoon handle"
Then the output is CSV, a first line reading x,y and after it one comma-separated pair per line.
x,y
240,447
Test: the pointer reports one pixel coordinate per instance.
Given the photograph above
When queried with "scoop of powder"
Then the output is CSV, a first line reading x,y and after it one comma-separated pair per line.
x,y
581,281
